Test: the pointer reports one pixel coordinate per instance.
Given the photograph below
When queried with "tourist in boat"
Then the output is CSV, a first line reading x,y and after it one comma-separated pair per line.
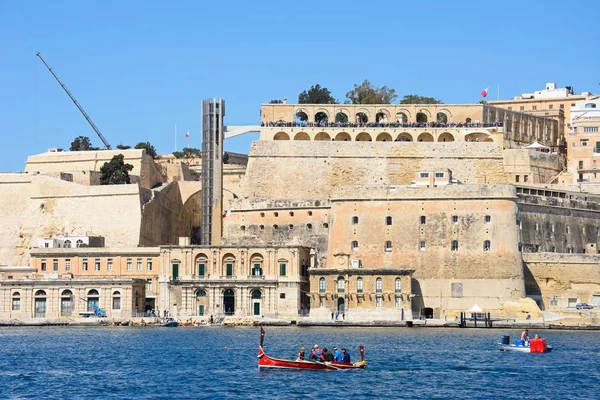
x,y
346,355
525,335
326,355
316,353
300,356
338,356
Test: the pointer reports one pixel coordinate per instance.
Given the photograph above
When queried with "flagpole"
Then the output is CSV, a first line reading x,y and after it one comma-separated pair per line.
x,y
175,136
498,92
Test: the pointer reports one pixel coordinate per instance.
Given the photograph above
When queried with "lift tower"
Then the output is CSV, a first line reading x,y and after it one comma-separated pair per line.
x,y
76,103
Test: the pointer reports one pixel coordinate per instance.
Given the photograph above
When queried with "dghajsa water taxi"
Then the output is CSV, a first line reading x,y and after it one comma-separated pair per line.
x,y
537,345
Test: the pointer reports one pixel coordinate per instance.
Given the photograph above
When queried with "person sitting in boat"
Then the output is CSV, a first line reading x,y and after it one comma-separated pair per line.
x,y
346,356
326,355
300,356
338,356
315,353
525,335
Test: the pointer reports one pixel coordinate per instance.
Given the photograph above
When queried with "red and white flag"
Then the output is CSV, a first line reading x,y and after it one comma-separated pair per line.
x,y
485,91
227,213
187,135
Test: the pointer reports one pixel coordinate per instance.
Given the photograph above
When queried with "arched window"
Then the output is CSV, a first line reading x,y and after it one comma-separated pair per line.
x,y
256,294
354,245
40,293
388,220
590,105
454,246
79,243
359,285
201,293
116,300
40,304
16,301
487,245
379,285
322,285
354,220
93,299
67,243
398,285
340,284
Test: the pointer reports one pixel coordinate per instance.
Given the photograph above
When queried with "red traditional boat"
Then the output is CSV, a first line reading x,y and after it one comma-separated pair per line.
x,y
264,361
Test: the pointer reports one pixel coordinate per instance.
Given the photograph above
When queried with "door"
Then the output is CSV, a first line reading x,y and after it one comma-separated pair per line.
x,y
340,305
40,308
201,310
175,271
66,307
257,308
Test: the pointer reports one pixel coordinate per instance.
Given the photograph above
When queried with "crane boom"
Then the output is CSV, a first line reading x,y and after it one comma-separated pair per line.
x,y
87,117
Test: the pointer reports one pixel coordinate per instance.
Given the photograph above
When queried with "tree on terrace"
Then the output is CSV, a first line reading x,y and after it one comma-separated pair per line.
x,y
115,172
416,99
150,150
366,93
82,143
316,95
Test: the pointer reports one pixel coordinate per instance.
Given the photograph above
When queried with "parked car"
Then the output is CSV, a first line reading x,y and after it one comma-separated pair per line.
x,y
583,306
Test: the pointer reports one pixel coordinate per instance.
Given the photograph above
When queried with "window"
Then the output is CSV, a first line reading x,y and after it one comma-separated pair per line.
x,y
488,219
423,219
67,243
282,269
398,301
139,264
552,228
522,108
257,270
454,246
456,289
517,178
388,245
109,265
340,284
149,285
455,219
129,265
16,301
378,301
487,245
276,214
590,129
282,295
537,227
291,213
201,269
583,142
309,227
97,265
534,108
568,230
55,265
229,269
551,106
388,220
424,175
79,243
553,249
354,245
261,227
262,214
422,245
561,106
84,265
43,265
322,285
439,174
149,264
68,264
379,285
310,213
116,300
325,225
354,220
398,285
291,227
590,105
359,285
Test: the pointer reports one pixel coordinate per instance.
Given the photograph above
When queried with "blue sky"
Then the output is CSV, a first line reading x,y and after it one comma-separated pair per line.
x,y
139,67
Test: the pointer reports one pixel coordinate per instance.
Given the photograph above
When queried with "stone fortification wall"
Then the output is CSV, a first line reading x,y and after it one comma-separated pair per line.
x,y
310,170
35,206
557,281
530,166
77,161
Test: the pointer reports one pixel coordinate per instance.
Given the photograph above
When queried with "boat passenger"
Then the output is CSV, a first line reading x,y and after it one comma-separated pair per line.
x,y
536,336
338,356
525,335
316,353
346,355
326,355
300,356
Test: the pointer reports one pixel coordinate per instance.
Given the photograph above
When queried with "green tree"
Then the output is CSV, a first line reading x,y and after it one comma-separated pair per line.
x,y
366,93
316,95
123,147
150,150
188,152
81,143
115,172
416,99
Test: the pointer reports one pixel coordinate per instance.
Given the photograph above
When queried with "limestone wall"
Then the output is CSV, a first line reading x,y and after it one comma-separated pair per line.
x,y
552,279
529,166
34,206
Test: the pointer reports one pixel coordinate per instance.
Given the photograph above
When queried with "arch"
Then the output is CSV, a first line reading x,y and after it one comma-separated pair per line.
x,y
16,294
229,302
477,137
116,293
343,137
40,293
361,116
16,301
428,313
359,285
66,293
93,292
67,243
281,136
442,118
256,264
378,285
421,118
323,136
322,285
256,294
301,115
301,136
384,137
342,117
382,116
363,137
403,115
79,243
66,303
404,137
468,120
321,116
425,137
39,304
200,293
341,303
446,137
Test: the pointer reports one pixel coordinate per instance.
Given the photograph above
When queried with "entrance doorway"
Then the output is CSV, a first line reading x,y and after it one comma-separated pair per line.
x,y
256,301
229,302
341,305
66,303
428,313
40,304
93,300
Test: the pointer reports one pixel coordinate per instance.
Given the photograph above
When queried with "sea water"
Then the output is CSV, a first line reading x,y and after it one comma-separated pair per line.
x,y
220,362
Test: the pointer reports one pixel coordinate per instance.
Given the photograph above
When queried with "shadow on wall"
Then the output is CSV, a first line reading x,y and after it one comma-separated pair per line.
x,y
532,288
417,300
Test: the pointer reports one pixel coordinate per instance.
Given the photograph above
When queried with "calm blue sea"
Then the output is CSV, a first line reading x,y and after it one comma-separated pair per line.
x,y
220,362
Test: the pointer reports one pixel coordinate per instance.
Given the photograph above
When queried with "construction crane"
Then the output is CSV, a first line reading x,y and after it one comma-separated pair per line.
x,y
76,103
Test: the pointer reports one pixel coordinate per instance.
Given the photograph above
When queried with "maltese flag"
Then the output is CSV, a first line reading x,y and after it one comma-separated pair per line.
x,y
187,135
484,92
227,213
